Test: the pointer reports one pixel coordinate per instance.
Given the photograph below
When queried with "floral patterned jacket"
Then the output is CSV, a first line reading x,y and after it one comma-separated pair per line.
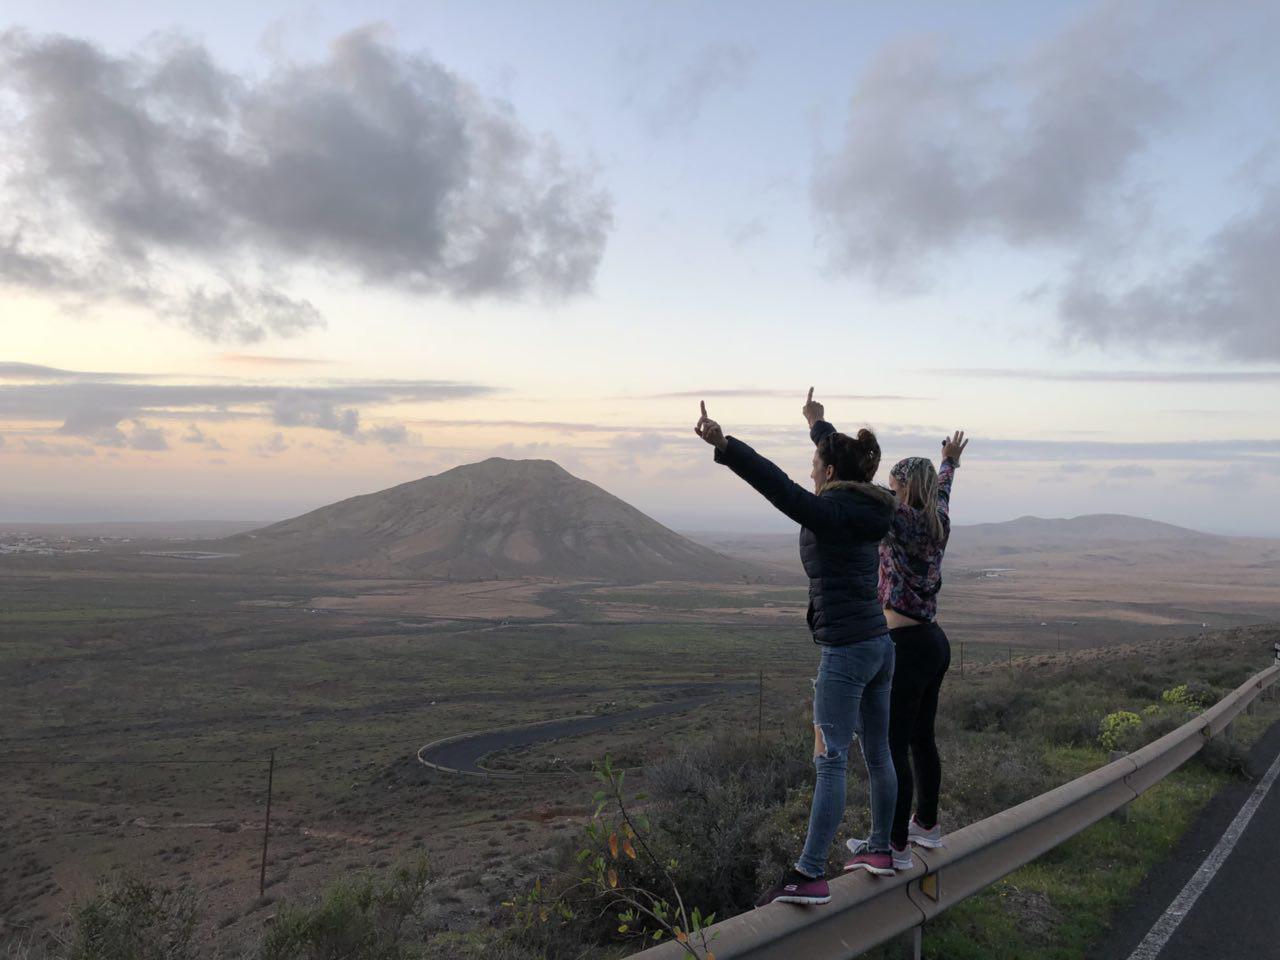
x,y
911,557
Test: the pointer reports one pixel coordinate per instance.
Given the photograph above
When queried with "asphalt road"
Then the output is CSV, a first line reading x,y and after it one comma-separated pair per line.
x,y
464,755
1238,912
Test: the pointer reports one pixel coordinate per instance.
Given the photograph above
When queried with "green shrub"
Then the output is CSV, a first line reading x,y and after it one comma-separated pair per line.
x,y
358,919
1117,728
133,919
1193,696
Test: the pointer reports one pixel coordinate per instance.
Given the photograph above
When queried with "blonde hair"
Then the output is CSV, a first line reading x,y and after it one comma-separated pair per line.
x,y
919,482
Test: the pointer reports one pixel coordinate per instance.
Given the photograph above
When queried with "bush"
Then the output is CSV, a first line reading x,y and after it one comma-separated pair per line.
x,y
358,919
1194,696
1118,728
132,919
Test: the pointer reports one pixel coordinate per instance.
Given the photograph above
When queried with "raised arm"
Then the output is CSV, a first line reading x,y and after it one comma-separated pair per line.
x,y
767,479
951,450
814,414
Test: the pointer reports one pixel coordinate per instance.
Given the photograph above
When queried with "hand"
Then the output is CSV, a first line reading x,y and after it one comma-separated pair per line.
x,y
812,410
951,449
709,430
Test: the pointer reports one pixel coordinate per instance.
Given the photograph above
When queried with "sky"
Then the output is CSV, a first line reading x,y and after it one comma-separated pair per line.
x,y
259,257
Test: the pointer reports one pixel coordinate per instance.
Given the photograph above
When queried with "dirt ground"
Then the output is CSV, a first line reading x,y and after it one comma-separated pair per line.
x,y
140,700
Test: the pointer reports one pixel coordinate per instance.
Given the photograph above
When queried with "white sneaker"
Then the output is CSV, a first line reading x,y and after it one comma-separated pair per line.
x,y
902,859
930,839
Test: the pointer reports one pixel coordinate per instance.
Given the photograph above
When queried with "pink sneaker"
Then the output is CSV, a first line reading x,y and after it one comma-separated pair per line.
x,y
881,864
797,888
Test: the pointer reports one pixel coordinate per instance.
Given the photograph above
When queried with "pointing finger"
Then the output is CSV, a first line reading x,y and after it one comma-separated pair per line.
x,y
703,404
809,399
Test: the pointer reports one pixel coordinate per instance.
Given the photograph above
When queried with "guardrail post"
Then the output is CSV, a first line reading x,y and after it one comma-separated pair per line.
x,y
913,943
1120,813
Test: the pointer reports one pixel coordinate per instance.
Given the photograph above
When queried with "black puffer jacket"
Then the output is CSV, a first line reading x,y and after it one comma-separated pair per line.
x,y
840,534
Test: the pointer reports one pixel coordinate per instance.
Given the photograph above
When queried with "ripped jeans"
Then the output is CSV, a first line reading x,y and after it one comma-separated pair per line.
x,y
851,695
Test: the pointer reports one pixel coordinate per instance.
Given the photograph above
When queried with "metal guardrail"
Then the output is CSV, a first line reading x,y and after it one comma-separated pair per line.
x,y
867,911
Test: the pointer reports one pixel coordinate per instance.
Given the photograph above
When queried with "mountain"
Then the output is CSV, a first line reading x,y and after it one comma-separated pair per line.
x,y
1090,529
1109,535
495,519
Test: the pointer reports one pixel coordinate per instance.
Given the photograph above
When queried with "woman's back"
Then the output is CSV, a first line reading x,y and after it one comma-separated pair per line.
x,y
911,553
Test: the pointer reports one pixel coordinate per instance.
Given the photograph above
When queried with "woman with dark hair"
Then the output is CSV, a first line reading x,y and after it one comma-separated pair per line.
x,y
910,578
842,522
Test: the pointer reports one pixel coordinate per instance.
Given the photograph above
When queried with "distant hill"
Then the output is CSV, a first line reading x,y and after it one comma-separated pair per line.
x,y
496,519
1090,529
1133,539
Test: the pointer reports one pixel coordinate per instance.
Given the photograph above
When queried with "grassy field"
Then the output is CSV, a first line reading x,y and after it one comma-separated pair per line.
x,y
140,743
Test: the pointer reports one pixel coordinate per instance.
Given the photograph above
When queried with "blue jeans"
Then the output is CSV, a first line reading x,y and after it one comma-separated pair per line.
x,y
851,695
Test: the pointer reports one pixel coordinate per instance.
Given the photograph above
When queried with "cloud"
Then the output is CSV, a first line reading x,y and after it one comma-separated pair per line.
x,y
41,448
33,371
754,392
640,444
1264,454
161,179
743,233
682,100
305,408
1225,296
256,360
1130,472
392,434
936,155
195,435
274,444
94,408
1118,376
143,437
1047,153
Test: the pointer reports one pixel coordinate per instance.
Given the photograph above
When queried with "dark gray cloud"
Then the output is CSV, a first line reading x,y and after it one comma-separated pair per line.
x,y
375,163
1048,154
1225,296
392,434
937,155
314,408
93,406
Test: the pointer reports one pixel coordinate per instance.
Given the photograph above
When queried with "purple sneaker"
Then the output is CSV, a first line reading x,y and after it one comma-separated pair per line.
x,y
797,888
881,864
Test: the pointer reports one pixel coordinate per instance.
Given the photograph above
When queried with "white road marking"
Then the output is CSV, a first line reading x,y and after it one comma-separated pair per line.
x,y
1159,934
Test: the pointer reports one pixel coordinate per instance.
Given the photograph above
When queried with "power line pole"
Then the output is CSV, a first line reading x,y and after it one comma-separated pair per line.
x,y
760,712
266,826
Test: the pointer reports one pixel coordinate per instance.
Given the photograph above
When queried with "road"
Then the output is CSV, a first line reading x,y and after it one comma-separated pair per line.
x,y
1235,913
463,755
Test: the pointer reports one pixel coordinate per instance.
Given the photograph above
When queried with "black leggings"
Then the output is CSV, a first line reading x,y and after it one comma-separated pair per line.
x,y
923,655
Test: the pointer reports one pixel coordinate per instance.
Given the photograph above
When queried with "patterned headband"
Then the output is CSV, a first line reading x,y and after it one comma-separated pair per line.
x,y
903,469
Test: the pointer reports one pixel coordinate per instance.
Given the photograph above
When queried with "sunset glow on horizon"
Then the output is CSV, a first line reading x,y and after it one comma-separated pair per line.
x,y
264,257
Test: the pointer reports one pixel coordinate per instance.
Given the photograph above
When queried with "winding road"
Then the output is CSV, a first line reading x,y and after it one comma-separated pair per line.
x,y
462,753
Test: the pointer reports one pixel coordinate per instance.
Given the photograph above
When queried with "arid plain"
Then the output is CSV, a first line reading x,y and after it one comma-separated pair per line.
x,y
145,682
